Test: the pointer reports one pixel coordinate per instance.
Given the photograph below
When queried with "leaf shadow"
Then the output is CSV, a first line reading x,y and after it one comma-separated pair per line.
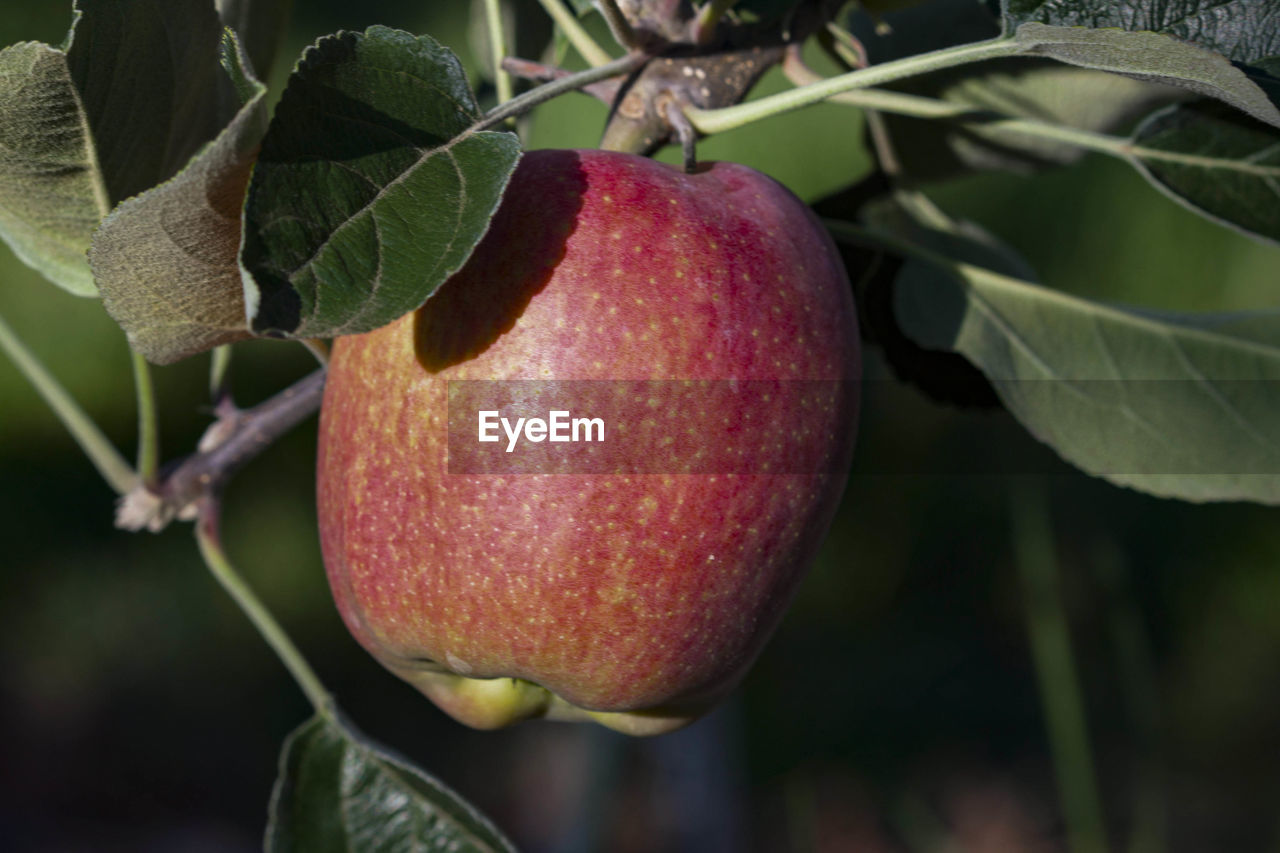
x,y
512,263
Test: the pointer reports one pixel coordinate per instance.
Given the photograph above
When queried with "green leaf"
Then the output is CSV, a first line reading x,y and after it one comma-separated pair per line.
x,y
133,93
339,792
1216,162
260,25
166,260
1241,30
371,188
1177,405
148,76
1041,90
1150,56
51,192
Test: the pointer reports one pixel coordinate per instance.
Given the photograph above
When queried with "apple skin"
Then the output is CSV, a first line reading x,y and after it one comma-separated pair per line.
x,y
636,600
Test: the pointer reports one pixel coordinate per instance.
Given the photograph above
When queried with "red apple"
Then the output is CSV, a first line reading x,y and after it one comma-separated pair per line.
x,y
636,594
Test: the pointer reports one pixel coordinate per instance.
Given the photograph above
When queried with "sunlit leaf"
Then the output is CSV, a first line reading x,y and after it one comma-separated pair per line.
x,y
1150,56
165,261
133,93
371,188
1241,30
339,793
51,192
1178,405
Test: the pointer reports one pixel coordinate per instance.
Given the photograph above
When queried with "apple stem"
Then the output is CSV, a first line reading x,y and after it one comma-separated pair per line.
x,y
237,437
523,103
209,540
684,132
104,456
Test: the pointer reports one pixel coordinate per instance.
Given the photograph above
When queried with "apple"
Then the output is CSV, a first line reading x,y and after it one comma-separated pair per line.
x,y
713,321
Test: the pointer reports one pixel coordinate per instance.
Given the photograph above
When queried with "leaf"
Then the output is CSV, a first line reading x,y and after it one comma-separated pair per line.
x,y
1216,162
339,792
130,97
1153,57
1241,30
1037,89
371,187
260,25
51,194
1177,405
165,261
148,76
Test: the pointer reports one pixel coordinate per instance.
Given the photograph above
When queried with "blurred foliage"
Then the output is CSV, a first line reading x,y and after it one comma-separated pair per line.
x,y
897,699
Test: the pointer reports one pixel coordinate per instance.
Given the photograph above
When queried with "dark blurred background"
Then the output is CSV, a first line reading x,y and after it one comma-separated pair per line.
x,y
896,709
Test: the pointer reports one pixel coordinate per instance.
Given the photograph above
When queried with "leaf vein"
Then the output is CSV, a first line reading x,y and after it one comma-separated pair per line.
x,y
1211,389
